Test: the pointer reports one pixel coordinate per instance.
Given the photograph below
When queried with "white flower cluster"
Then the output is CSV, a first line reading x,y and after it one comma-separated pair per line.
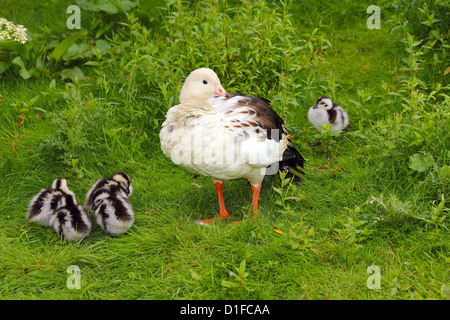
x,y
11,31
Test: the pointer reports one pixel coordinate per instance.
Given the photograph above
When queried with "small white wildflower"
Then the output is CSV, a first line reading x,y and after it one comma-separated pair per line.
x,y
10,31
197,185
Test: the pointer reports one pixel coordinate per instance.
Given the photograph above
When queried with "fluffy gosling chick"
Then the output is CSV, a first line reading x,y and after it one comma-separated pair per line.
x,y
324,111
71,221
57,207
47,201
108,198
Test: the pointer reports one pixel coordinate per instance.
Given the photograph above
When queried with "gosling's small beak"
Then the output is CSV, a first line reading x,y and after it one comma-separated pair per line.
x,y
314,106
220,91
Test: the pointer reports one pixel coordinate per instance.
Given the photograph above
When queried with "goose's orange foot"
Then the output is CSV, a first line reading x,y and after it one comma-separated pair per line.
x,y
223,212
221,219
208,221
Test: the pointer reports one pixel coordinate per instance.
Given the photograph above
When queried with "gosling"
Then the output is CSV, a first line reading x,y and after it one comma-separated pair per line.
x,y
108,199
326,111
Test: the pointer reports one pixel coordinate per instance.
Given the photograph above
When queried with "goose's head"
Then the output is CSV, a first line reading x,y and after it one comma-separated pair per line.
x,y
324,103
124,180
200,86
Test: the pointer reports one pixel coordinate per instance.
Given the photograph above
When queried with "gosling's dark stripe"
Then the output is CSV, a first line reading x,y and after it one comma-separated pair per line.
x,y
120,210
320,99
107,199
76,219
37,205
103,185
332,115
109,190
56,200
69,200
61,219
104,215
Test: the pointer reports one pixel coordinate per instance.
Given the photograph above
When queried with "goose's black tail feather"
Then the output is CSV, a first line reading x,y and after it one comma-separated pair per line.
x,y
292,163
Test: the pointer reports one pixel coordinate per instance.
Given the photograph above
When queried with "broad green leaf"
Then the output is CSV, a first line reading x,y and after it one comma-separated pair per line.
x,y
91,63
421,162
98,5
15,46
107,6
72,74
277,190
19,62
335,133
102,45
24,74
64,45
76,51
125,5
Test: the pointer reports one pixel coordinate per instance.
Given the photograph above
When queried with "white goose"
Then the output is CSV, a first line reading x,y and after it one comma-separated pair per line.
x,y
226,136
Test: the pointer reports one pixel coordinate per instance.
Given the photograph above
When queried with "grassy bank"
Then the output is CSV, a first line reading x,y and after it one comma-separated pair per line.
x,y
376,195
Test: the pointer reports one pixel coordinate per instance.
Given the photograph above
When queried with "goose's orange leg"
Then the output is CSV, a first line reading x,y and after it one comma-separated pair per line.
x,y
223,212
255,198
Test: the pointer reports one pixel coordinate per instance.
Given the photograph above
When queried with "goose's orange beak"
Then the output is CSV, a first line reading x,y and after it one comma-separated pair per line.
x,y
220,91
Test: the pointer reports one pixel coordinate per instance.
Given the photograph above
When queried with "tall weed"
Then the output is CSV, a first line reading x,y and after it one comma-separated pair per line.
x,y
253,47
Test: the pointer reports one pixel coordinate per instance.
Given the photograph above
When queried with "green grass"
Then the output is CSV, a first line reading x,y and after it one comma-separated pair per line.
x,y
360,203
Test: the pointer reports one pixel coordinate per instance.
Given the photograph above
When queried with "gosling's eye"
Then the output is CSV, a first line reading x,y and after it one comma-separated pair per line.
x,y
205,82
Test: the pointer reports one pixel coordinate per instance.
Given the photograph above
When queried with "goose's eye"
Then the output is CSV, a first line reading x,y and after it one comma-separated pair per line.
x,y
205,82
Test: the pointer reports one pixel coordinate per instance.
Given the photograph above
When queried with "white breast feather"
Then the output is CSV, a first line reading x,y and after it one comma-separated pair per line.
x,y
222,145
317,117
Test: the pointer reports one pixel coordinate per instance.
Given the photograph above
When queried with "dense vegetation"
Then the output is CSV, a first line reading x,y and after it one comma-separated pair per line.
x,y
82,104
